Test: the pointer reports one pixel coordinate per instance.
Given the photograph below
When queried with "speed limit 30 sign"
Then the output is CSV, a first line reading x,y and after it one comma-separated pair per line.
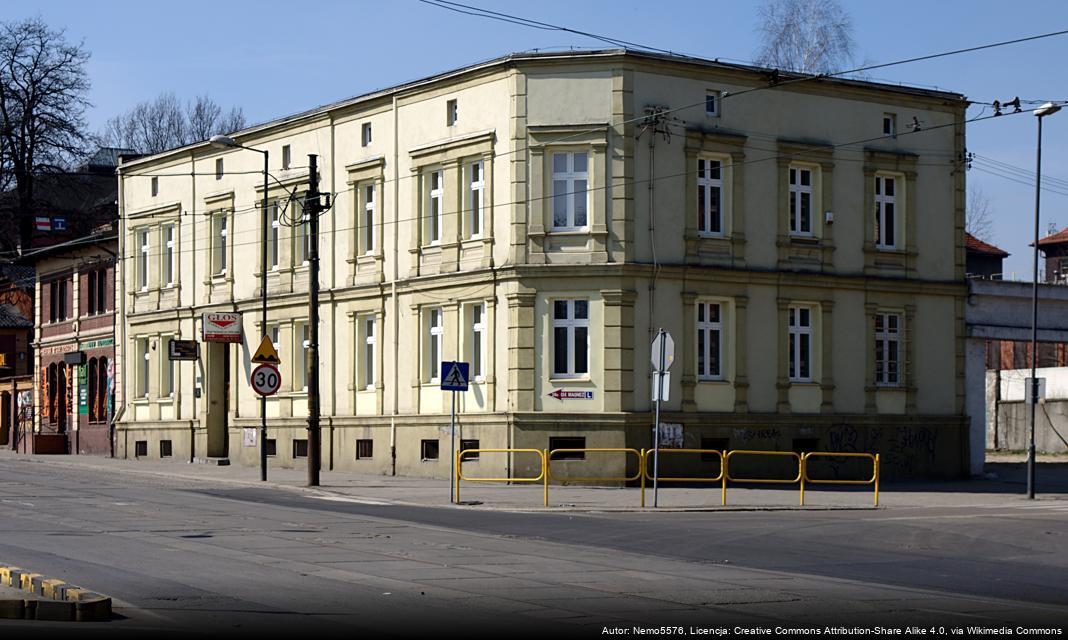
x,y
266,380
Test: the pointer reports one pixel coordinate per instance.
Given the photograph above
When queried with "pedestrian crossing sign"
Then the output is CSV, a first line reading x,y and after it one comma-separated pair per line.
x,y
454,376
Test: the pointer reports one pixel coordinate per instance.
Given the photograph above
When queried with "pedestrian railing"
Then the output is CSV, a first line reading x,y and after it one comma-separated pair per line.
x,y
460,472
873,480
645,474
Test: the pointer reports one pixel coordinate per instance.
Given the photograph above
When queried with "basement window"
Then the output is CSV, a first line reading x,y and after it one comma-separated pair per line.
x,y
365,449
165,449
568,442
469,444
428,450
271,445
141,449
300,448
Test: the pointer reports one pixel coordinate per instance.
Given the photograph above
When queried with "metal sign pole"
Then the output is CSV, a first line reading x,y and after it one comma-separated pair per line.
x,y
452,464
656,424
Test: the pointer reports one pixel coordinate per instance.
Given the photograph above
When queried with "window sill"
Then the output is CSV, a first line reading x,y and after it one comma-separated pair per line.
x,y
569,231
715,381
583,378
803,383
897,388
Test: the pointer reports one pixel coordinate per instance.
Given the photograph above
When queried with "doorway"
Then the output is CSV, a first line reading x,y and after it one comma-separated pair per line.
x,y
218,396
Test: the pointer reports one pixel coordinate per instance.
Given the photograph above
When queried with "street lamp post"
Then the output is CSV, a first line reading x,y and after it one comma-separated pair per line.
x,y
1045,110
226,142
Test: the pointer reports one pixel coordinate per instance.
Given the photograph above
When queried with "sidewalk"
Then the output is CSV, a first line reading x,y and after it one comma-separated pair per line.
x,y
1003,486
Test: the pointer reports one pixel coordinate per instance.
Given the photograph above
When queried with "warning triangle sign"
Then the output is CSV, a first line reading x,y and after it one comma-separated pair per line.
x,y
266,353
455,378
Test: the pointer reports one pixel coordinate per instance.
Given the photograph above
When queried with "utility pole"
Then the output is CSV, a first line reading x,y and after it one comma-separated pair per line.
x,y
312,208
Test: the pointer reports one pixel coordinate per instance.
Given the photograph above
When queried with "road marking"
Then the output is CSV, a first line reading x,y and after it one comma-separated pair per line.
x,y
376,503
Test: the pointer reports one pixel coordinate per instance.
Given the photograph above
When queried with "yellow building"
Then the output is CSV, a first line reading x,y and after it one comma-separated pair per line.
x,y
541,216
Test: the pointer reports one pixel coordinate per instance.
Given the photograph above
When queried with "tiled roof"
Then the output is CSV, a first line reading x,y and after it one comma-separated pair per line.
x,y
10,318
975,245
1055,238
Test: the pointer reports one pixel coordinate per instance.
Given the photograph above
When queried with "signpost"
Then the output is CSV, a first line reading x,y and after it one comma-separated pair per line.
x,y
267,357
454,377
662,355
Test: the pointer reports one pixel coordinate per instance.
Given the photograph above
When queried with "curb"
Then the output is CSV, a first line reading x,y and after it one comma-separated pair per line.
x,y
60,602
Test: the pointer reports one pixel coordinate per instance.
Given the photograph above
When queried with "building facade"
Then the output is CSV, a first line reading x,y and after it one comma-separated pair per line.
x,y
540,216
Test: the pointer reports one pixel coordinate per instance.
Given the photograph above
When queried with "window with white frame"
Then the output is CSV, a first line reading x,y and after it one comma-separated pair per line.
x,y
478,341
287,156
435,191
144,352
475,187
219,235
570,195
142,264
272,237
890,124
167,378
435,333
709,197
302,239
300,347
155,186
712,99
168,255
218,168
709,341
365,134
800,331
888,349
452,112
571,338
885,212
800,201
368,232
367,377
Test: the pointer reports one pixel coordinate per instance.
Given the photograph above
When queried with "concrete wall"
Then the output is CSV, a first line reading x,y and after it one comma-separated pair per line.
x,y
1009,417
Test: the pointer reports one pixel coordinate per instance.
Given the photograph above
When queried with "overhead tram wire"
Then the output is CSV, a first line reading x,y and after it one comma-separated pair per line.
x,y
770,158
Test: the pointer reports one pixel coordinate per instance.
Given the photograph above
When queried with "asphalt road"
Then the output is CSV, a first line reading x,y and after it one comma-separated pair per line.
x,y
198,556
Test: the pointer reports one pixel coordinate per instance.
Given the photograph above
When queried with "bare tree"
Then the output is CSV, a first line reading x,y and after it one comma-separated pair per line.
x,y
163,123
978,215
43,87
807,36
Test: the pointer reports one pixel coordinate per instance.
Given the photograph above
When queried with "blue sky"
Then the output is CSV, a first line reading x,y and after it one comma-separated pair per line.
x,y
276,58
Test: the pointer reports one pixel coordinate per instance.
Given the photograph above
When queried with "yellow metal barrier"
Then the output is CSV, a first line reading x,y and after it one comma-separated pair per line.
x,y
722,477
460,474
874,480
790,454
640,475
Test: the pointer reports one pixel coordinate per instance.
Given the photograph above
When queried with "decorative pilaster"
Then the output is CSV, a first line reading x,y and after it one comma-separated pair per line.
x,y
618,348
522,366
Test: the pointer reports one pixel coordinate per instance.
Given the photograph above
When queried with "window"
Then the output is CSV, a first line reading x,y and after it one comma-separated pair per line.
x,y
365,449
300,368
568,442
287,156
800,201
155,186
167,383
571,328
466,445
478,341
218,249
712,104
300,448
168,255
101,398
368,219
271,445
166,450
272,238
145,353
57,298
435,189
452,113
570,177
142,265
435,334
709,197
800,328
303,239
428,450
890,125
141,448
887,349
365,134
885,212
92,379
474,199
367,379
96,286
218,168
709,341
